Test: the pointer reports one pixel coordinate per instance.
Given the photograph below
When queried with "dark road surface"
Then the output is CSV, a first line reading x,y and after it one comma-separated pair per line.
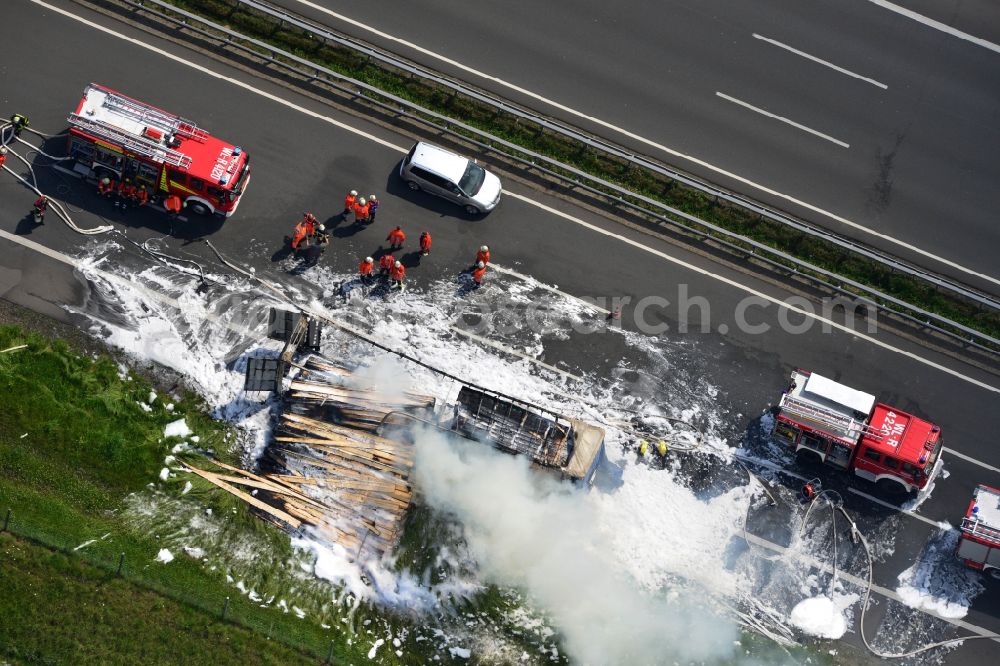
x,y
912,158
301,161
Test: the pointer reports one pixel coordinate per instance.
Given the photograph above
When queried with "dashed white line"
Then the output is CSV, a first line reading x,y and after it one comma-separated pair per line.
x,y
937,25
764,112
894,507
949,450
819,60
553,211
653,144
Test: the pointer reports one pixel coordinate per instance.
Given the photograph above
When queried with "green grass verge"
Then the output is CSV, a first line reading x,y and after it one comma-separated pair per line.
x,y
59,609
76,451
640,181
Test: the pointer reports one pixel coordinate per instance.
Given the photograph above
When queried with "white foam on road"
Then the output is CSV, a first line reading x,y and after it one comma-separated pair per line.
x,y
938,581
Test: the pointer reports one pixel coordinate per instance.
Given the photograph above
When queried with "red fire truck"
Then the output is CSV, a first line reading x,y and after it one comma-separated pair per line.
x,y
979,546
846,429
117,136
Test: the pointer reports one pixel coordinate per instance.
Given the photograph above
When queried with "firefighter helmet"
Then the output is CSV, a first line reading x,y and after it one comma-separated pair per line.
x,y
398,264
480,264
3,150
483,248
362,201
369,260
322,227
354,193
372,198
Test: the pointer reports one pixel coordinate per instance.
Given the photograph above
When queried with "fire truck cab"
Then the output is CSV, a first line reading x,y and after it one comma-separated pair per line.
x,y
979,545
846,429
117,136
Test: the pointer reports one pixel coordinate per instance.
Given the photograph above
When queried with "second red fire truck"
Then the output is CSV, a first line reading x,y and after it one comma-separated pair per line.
x,y
979,546
115,136
845,428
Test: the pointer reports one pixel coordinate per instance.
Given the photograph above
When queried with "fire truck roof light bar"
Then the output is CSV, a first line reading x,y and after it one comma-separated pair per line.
x,y
136,144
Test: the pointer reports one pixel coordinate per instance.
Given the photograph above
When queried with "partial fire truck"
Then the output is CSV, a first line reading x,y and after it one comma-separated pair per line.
x,y
979,545
846,429
115,136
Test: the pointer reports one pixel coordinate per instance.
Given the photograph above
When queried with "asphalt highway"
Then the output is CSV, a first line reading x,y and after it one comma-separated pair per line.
x,y
849,114
306,155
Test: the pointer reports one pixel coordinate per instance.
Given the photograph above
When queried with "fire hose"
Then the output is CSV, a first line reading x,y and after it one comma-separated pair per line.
x,y
5,140
858,537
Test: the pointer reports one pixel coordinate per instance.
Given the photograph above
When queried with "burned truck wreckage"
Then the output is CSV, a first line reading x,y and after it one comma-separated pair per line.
x,y
345,445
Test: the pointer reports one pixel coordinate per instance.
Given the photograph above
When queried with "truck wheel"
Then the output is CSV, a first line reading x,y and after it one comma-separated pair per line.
x,y
472,210
198,208
413,186
890,488
994,573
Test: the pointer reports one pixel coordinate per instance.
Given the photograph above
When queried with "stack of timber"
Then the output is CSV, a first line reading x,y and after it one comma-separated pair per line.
x,y
323,391
331,470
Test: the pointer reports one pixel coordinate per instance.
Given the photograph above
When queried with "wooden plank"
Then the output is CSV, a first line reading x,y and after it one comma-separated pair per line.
x,y
270,487
250,499
406,398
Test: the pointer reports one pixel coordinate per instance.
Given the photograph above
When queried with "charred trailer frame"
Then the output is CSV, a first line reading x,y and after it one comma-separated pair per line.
x,y
571,447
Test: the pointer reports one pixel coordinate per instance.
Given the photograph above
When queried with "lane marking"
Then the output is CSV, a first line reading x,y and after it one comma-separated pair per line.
x,y
754,292
658,146
894,507
885,592
937,25
674,260
782,119
820,61
970,459
535,282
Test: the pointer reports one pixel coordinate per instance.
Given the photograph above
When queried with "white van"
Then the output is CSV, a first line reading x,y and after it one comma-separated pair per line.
x,y
450,176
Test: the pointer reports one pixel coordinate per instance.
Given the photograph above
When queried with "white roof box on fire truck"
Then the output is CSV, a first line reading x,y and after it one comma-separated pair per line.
x,y
827,405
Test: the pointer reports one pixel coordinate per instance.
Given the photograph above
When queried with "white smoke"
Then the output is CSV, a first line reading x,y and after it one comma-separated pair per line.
x,y
530,531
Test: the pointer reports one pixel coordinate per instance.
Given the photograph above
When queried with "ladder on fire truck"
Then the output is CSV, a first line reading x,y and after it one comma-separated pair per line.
x,y
828,417
147,114
135,144
973,526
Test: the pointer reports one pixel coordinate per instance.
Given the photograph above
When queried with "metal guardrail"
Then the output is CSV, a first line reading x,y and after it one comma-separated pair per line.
x,y
580,179
622,153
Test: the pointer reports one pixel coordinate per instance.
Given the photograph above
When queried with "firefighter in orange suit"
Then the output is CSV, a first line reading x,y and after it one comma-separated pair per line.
x,y
425,243
106,187
366,268
483,255
385,264
360,210
477,274
304,230
396,238
173,205
349,200
396,274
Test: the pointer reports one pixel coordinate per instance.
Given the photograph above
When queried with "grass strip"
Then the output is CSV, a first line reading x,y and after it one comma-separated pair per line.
x,y
76,445
59,609
819,252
